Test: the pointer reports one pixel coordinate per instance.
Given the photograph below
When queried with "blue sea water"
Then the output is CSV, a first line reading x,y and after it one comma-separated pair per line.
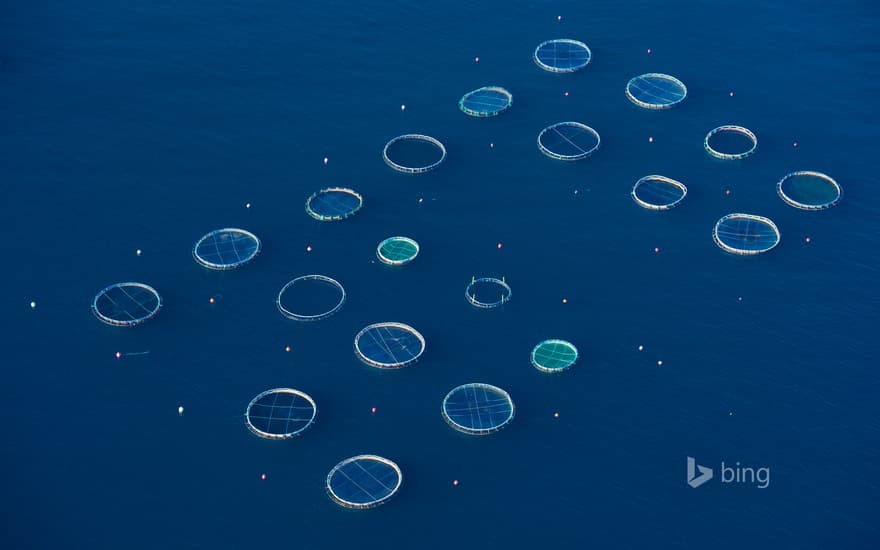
x,y
143,125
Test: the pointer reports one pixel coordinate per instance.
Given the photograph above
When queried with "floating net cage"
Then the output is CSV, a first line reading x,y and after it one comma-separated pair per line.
x,y
562,55
554,355
397,250
226,248
281,413
568,141
486,101
488,292
656,91
730,142
334,203
310,298
809,190
126,304
389,345
658,192
745,234
363,481
477,409
414,153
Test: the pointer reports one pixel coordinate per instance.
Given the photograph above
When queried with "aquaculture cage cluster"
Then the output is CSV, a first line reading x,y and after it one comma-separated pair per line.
x,y
366,481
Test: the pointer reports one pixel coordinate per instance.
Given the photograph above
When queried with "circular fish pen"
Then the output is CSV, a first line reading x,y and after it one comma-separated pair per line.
x,y
414,153
745,234
126,304
334,203
397,250
658,192
389,345
554,355
363,481
226,248
562,55
730,142
310,298
656,91
487,101
487,292
809,190
568,141
281,413
477,409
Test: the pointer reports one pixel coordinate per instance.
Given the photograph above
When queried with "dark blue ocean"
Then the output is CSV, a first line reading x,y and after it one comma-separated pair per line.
x,y
145,124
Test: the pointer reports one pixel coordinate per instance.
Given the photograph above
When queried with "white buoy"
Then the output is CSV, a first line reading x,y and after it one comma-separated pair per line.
x,y
326,160
403,107
33,305
641,348
180,410
138,252
248,205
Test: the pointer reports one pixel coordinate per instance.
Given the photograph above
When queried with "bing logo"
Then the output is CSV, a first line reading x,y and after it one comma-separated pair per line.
x,y
759,477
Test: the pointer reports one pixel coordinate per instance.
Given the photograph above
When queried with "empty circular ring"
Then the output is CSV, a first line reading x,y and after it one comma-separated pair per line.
x,y
418,168
310,316
722,130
